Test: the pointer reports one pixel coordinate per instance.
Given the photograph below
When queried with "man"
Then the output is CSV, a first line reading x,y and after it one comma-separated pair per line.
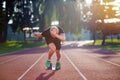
x,y
53,36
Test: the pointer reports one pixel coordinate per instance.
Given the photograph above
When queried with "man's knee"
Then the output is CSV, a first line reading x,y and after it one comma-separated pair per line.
x,y
52,47
58,52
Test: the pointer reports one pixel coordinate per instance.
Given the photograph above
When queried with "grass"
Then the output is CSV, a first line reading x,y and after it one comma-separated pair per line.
x,y
115,48
109,45
11,46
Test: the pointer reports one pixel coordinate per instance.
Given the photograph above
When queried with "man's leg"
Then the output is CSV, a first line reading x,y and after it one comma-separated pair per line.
x,y
52,50
58,55
58,65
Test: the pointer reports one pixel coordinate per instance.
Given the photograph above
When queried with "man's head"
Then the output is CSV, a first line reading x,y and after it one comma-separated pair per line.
x,y
54,29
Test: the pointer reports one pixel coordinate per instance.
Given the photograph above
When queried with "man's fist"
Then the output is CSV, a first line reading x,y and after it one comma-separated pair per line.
x,y
54,32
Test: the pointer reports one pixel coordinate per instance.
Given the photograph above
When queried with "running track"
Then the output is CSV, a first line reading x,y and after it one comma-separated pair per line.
x,y
78,63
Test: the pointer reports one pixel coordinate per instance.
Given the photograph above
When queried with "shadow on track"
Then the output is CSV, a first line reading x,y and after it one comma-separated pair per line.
x,y
94,49
43,75
28,51
99,50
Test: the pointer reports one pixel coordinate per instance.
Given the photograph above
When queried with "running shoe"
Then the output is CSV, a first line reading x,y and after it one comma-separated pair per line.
x,y
58,65
48,64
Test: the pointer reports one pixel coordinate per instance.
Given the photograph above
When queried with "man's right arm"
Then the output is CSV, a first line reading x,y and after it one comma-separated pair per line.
x,y
38,35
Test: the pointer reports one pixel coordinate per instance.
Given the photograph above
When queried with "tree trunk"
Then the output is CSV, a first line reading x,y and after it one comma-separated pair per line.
x,y
112,38
3,35
118,36
103,40
4,24
0,37
94,38
94,34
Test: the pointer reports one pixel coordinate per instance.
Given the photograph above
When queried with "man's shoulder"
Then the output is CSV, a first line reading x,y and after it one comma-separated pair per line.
x,y
61,30
47,29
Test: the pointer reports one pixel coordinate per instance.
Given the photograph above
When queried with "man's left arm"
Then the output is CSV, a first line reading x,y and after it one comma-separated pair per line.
x,y
60,36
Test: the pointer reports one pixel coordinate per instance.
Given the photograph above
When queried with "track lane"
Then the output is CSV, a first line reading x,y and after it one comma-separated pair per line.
x,y
39,71
87,61
93,68
79,72
13,69
109,57
31,67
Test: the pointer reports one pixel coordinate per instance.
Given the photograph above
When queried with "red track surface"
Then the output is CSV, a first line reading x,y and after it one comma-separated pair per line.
x,y
78,63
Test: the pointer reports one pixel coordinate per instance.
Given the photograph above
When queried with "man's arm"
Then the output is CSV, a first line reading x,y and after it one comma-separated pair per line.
x,y
61,36
55,34
38,35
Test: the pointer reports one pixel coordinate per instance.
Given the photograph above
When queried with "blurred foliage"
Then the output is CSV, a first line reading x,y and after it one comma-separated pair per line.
x,y
115,48
110,45
108,0
94,16
73,15
11,46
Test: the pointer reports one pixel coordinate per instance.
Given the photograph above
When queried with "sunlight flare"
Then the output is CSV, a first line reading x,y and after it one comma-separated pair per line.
x,y
88,1
113,20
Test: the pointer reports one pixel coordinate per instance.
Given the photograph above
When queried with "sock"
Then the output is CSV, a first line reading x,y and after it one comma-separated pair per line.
x,y
48,60
58,61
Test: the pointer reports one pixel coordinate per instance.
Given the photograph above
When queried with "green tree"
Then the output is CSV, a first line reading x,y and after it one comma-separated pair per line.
x,y
95,19
24,13
69,15
6,10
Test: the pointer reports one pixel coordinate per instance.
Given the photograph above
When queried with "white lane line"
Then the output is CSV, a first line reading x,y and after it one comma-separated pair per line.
x,y
113,55
80,73
110,62
31,67
115,64
11,59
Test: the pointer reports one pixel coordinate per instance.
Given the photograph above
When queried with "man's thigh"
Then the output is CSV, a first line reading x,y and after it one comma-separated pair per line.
x,y
58,45
52,46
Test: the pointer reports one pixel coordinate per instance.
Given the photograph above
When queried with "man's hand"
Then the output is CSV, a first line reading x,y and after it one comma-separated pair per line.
x,y
53,33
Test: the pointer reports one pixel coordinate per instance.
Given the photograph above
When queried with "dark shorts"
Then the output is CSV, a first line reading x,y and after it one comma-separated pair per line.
x,y
55,41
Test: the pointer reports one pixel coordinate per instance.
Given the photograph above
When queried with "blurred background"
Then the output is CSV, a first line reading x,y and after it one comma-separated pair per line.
x,y
80,19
